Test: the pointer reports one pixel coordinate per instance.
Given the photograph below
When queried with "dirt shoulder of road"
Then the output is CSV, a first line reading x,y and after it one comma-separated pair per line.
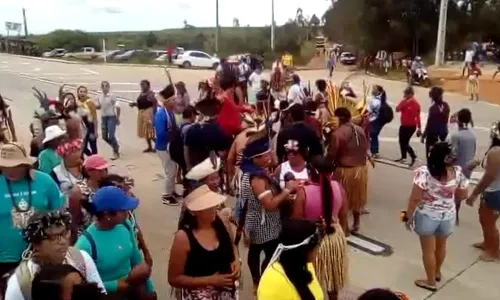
x,y
452,81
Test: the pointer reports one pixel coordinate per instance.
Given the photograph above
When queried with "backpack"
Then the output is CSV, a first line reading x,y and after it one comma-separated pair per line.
x,y
386,114
93,246
25,278
176,147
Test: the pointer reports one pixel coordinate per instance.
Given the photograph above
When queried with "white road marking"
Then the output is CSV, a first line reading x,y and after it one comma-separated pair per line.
x,y
37,69
365,244
124,83
26,63
5,62
89,71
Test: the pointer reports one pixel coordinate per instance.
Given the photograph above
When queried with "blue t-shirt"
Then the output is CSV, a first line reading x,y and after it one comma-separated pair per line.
x,y
117,253
45,196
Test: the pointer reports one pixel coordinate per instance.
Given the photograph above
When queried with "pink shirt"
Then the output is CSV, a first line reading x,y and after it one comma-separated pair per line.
x,y
314,206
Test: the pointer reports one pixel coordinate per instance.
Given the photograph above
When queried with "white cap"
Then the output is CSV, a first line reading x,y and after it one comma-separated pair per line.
x,y
53,132
203,169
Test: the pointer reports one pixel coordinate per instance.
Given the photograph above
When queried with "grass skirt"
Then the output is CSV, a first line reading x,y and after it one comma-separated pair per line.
x,y
355,183
331,264
145,128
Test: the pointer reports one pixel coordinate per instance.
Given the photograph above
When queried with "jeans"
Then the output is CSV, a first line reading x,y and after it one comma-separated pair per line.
x,y
426,226
405,134
254,251
108,132
170,169
90,140
375,129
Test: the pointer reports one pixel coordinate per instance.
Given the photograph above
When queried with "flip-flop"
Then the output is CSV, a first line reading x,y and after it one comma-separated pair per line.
x,y
424,285
488,258
479,246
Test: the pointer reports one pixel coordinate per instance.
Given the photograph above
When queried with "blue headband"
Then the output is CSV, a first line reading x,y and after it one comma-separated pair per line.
x,y
257,147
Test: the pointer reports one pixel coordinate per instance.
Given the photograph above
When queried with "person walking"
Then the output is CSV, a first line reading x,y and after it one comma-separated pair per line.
x,y
431,209
165,126
410,123
436,128
147,104
110,117
88,113
374,109
331,64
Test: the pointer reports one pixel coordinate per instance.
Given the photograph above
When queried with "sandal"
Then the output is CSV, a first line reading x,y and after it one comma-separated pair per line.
x,y
478,245
424,285
488,258
438,278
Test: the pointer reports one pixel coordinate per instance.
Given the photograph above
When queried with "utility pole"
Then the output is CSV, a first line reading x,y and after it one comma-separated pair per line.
x,y
272,25
25,24
441,34
217,28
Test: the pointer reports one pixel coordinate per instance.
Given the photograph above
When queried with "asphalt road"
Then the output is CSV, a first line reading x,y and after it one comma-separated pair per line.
x,y
464,277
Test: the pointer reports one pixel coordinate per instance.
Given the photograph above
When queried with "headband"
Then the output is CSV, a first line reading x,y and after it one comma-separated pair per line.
x,y
281,247
68,147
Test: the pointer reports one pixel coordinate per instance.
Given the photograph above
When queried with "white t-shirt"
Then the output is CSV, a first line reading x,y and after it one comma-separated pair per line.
x,y
469,54
438,199
13,291
295,94
255,80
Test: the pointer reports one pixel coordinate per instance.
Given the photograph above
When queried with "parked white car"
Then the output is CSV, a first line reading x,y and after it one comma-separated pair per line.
x,y
196,59
55,53
84,53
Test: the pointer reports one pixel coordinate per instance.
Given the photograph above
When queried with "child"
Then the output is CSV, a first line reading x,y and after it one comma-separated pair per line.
x,y
473,73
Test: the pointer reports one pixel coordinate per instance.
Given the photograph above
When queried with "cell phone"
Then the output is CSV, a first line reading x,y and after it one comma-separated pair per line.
x,y
404,216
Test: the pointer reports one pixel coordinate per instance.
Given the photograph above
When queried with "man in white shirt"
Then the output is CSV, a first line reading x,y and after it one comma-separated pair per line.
x,y
244,70
255,83
295,93
469,56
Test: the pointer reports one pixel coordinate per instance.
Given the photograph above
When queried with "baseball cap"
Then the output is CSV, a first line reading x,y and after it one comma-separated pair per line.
x,y
96,162
113,199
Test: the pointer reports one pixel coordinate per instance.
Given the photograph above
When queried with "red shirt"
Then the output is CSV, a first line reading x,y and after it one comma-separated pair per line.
x,y
410,112
229,117
314,124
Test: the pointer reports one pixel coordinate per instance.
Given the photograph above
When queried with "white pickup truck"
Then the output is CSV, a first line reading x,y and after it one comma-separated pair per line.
x,y
84,53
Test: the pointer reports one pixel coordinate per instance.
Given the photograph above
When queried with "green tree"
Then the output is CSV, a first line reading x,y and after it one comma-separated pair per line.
x,y
71,40
151,39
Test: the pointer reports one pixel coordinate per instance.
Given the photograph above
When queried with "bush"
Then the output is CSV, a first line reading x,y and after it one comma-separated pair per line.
x,y
71,40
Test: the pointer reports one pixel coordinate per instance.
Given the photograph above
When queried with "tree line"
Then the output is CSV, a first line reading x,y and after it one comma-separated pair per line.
x,y
411,26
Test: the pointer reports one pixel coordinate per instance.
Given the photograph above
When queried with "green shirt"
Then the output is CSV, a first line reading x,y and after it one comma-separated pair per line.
x,y
48,160
15,209
117,253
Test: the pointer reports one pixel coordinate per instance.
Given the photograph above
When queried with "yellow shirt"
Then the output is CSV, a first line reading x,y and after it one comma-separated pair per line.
x,y
274,285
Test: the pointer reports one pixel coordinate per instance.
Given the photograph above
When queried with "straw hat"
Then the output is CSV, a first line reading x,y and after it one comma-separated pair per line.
x,y
204,169
13,155
203,198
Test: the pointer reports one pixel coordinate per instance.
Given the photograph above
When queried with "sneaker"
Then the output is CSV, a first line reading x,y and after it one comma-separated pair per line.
x,y
115,156
412,163
170,201
401,160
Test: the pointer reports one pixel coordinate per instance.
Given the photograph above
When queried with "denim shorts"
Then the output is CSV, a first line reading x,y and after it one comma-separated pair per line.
x,y
492,200
426,226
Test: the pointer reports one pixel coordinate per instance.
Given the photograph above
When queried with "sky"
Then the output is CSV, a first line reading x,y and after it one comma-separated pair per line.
x,y
129,15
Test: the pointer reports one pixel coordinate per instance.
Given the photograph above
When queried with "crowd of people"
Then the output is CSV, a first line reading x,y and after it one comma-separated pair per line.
x,y
69,228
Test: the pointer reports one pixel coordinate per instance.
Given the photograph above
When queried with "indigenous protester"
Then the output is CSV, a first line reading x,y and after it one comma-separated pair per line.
x,y
204,262
255,82
488,189
436,128
110,117
265,100
463,141
48,159
89,114
295,163
64,282
95,167
295,93
410,123
431,209
24,191
298,131
182,100
473,73
348,149
68,172
75,118
126,184
291,275
48,236
325,202
124,272
7,127
261,196
165,126
346,90
278,80
146,104
321,99
377,122
311,119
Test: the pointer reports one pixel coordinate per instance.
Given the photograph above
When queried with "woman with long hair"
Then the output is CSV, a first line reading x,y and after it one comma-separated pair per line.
x,y
88,113
436,128
290,274
488,189
23,191
182,100
48,236
123,272
95,167
431,209
204,261
7,128
324,202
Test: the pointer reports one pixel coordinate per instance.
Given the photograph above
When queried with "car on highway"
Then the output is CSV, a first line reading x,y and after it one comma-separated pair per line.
x,y
127,55
84,53
196,59
60,52
347,58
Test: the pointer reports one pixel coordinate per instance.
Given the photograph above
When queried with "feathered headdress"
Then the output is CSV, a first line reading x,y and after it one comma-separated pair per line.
x,y
42,98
